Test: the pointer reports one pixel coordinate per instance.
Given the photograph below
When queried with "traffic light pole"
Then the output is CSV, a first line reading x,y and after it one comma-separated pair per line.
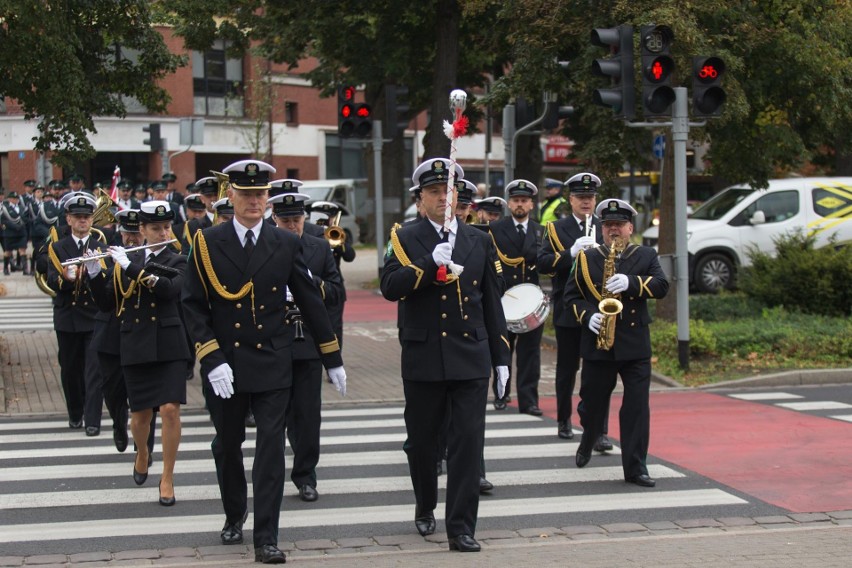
x,y
680,135
380,200
510,135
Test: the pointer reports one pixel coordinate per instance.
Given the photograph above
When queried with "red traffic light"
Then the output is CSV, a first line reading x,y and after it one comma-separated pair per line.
x,y
659,69
708,69
346,111
363,111
347,93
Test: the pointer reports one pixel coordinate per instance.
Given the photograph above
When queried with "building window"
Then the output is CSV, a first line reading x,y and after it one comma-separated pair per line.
x,y
293,173
217,82
291,113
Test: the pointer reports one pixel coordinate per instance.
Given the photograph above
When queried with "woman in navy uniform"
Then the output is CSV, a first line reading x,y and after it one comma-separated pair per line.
x,y
303,414
13,217
234,302
564,238
638,277
146,286
453,333
518,239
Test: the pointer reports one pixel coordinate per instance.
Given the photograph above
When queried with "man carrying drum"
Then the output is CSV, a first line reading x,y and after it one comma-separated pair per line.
x,y
517,241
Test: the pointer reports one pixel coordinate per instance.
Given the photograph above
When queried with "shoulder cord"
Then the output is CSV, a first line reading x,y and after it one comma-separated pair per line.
x,y
247,288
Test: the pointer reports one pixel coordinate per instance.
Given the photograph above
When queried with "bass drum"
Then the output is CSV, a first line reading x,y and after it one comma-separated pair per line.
x,y
526,307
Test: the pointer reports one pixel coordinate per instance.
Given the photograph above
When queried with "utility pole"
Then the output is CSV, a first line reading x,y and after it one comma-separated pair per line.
x,y
380,205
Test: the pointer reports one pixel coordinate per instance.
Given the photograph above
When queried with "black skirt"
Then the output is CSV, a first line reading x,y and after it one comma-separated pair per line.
x,y
151,384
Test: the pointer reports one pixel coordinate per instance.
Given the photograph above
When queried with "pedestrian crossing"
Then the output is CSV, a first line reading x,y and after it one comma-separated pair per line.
x,y
830,408
61,492
26,314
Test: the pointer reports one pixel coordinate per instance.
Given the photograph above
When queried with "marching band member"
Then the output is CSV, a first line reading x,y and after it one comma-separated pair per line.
x,y
74,311
234,303
517,241
303,415
565,238
635,275
489,209
453,332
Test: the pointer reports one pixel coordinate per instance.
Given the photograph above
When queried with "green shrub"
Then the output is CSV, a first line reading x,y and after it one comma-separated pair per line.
x,y
723,306
801,278
702,341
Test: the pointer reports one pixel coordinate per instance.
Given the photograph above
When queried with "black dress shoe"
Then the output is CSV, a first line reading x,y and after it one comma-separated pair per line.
x,y
584,453
642,480
499,404
269,554
250,422
119,437
93,431
603,444
485,486
565,430
165,501
464,543
425,522
232,533
533,411
75,424
439,468
308,493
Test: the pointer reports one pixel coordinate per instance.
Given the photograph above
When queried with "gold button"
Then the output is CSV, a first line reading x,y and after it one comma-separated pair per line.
x,y
260,326
275,288
237,325
239,305
443,334
136,320
153,318
444,316
260,308
465,333
632,324
443,296
632,311
259,346
475,282
85,303
466,298
153,304
465,316
73,303
236,343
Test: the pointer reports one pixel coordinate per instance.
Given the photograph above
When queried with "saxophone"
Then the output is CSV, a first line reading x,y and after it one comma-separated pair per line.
x,y
610,305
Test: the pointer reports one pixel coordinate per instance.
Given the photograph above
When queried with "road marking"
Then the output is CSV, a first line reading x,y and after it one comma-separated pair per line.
x,y
766,396
815,405
844,417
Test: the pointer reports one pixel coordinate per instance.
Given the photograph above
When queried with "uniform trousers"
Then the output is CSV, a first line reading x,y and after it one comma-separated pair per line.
x,y
80,376
215,406
567,365
597,383
267,473
114,388
526,352
303,420
425,407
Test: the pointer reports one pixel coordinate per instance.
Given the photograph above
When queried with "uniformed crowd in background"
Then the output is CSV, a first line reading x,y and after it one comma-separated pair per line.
x,y
151,285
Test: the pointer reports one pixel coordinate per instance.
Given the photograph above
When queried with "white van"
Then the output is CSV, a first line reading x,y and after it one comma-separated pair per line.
x,y
724,228
351,193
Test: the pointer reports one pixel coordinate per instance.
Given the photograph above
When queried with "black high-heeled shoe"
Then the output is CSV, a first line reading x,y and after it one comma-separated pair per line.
x,y
165,501
140,478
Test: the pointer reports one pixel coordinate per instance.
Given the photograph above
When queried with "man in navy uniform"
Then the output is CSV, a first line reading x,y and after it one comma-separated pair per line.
x,y
638,277
13,217
489,209
303,415
453,333
517,241
234,300
564,239
74,311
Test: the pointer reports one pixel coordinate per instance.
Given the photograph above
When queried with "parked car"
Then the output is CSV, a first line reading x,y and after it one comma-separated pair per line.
x,y
724,228
351,193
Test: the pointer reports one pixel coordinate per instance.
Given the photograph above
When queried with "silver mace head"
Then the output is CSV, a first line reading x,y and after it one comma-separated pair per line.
x,y
458,100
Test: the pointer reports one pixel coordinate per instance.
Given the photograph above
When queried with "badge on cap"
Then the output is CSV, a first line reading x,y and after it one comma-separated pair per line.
x,y
613,206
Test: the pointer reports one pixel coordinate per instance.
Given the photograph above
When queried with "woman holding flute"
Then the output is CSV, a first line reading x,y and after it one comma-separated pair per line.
x,y
145,287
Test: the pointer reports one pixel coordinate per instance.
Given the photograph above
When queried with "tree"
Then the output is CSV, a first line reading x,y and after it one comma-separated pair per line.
x,y
256,130
65,63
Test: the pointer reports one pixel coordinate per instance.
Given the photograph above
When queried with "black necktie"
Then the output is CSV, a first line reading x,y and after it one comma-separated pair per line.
x,y
445,238
249,246
521,233
81,247
583,228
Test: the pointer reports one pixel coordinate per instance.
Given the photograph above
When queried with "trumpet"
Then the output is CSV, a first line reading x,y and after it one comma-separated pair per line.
x,y
333,233
81,259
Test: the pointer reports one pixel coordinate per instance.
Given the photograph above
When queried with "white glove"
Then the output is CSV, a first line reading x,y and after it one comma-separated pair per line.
x,y
581,244
119,256
443,254
338,379
617,283
502,379
71,273
93,267
222,380
595,323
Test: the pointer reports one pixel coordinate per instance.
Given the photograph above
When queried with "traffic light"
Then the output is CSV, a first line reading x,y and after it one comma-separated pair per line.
x,y
555,113
708,96
619,68
657,68
153,140
396,111
346,111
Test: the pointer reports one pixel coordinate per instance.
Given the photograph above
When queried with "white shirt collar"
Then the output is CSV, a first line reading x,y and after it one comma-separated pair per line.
x,y
241,231
454,226
524,223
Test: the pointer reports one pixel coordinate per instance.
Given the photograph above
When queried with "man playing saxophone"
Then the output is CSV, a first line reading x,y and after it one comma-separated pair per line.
x,y
631,276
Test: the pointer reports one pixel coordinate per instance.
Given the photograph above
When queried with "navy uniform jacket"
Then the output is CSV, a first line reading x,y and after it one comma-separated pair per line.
x,y
13,219
518,261
107,335
554,259
450,331
646,280
74,307
45,215
151,329
234,306
320,262
185,231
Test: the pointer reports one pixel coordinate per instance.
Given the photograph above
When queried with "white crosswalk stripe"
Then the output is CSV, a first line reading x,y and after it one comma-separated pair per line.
x,y
56,484
26,314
